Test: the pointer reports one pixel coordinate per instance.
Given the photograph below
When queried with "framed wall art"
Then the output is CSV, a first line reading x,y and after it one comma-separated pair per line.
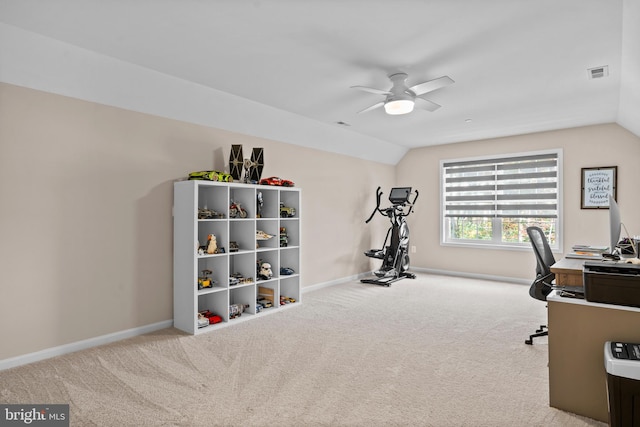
x,y
597,185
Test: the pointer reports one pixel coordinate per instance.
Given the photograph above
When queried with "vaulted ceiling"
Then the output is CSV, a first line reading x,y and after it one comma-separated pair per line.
x,y
283,69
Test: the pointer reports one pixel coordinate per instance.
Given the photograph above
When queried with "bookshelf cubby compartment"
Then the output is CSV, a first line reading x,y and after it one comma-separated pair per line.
x,y
203,208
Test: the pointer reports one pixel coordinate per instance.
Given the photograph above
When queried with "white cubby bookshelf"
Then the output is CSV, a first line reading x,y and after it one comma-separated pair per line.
x,y
190,232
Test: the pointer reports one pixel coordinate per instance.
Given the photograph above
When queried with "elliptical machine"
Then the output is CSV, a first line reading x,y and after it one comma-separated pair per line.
x,y
395,257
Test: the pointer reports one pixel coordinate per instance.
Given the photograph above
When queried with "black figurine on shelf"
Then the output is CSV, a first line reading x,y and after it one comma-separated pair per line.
x,y
236,162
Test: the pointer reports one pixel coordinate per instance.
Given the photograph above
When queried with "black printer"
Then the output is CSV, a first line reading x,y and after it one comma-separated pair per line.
x,y
611,282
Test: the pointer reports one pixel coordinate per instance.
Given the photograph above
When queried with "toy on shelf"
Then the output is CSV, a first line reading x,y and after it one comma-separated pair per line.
x,y
274,180
259,204
236,310
238,278
266,296
204,281
206,318
253,167
286,300
236,162
233,280
234,247
284,238
286,271
261,235
212,246
211,176
264,270
202,320
264,303
204,213
287,212
237,211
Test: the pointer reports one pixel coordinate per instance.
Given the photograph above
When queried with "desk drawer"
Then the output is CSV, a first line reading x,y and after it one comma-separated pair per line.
x,y
569,279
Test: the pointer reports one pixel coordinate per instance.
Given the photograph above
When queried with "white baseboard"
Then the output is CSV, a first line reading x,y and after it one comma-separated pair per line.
x,y
472,275
82,345
334,282
419,270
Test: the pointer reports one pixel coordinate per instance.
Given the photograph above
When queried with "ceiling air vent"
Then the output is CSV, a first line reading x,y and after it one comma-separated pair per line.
x,y
598,72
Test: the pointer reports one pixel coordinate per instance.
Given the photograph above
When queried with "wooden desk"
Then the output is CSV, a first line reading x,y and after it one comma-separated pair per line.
x,y
568,271
578,330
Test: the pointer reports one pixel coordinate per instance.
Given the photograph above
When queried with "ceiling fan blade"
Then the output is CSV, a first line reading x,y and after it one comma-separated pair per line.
x,y
372,90
431,85
373,107
425,104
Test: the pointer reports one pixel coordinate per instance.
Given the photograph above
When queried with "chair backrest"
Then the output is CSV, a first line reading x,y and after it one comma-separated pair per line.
x,y
541,287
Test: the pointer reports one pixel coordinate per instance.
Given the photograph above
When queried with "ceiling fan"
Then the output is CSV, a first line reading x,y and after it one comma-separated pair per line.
x,y
401,99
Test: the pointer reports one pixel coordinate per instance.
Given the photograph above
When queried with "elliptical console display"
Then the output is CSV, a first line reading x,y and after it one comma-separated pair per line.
x,y
395,256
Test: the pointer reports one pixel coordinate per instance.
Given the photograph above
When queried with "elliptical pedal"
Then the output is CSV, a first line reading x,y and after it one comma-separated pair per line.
x,y
375,253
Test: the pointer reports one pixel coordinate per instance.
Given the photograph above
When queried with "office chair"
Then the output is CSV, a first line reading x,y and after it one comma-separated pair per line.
x,y
543,283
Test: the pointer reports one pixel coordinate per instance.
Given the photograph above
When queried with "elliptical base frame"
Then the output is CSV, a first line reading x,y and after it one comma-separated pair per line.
x,y
387,281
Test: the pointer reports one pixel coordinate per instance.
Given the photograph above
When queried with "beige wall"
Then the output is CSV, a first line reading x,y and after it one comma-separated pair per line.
x,y
85,213
86,195
592,146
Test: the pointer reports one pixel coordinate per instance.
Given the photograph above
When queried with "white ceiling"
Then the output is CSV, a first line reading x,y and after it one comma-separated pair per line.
x,y
519,66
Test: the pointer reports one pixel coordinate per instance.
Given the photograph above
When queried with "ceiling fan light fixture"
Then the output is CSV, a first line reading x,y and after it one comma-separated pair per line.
x,y
398,107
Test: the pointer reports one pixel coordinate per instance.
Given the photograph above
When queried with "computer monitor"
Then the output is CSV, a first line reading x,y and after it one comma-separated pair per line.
x,y
399,195
615,224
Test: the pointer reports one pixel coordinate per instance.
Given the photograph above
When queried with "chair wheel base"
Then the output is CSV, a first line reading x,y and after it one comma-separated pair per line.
x,y
541,332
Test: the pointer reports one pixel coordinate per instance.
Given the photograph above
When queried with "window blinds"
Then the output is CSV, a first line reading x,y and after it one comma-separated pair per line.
x,y
510,187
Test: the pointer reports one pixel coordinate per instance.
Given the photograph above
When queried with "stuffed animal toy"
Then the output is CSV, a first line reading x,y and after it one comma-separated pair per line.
x,y
212,248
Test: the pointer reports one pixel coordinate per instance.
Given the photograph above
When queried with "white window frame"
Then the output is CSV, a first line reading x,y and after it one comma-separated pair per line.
x,y
495,242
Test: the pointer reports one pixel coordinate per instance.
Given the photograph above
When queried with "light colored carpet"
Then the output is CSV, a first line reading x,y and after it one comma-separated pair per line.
x,y
435,351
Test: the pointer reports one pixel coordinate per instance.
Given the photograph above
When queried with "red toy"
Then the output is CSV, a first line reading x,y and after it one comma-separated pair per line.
x,y
274,180
213,318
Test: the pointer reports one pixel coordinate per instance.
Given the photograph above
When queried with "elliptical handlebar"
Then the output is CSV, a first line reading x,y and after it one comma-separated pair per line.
x,y
377,208
390,210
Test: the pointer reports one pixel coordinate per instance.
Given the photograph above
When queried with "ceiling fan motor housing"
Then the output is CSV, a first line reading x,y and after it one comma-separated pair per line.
x,y
400,91
401,99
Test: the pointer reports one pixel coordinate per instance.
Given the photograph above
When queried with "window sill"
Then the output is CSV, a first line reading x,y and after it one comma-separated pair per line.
x,y
500,247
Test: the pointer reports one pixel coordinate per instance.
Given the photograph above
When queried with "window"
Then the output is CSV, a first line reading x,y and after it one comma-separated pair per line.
x,y
492,201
